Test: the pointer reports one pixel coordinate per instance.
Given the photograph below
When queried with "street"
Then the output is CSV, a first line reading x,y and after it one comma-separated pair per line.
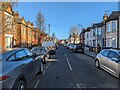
x,y
72,70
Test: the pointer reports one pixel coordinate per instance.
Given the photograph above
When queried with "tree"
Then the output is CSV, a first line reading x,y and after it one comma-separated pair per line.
x,y
74,32
7,3
40,22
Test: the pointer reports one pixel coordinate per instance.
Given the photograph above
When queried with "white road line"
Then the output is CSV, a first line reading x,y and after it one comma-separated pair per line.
x,y
68,62
36,84
78,86
46,69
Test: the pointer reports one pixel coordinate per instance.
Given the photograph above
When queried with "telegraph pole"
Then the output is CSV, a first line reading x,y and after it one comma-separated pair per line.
x,y
49,29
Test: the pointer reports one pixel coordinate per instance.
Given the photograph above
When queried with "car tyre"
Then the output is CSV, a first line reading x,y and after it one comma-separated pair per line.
x,y
20,85
97,64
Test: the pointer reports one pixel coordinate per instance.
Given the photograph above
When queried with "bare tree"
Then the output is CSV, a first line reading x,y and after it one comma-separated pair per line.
x,y
40,22
74,32
5,4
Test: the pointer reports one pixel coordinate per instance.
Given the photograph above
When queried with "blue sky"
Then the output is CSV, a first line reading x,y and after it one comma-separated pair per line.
x,y
63,15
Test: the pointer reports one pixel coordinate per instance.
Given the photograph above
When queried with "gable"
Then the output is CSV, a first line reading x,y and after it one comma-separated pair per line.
x,y
23,21
9,10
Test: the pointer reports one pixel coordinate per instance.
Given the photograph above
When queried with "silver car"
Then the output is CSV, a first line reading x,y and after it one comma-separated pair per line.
x,y
42,52
109,60
19,66
71,46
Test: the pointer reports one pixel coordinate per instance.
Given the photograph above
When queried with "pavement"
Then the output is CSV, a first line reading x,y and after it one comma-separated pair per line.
x,y
73,70
92,54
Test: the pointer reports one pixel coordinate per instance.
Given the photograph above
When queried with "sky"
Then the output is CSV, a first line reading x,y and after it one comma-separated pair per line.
x,y
63,15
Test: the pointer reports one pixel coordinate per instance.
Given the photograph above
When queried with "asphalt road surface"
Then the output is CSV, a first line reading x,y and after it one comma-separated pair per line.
x,y
72,70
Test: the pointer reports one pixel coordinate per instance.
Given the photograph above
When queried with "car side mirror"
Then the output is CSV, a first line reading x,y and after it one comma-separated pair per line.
x,y
115,59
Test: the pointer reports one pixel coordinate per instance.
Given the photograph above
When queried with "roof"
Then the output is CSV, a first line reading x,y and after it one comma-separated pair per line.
x,y
96,25
114,16
87,29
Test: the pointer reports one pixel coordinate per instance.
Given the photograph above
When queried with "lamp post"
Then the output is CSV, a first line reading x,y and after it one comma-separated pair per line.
x,y
81,37
49,29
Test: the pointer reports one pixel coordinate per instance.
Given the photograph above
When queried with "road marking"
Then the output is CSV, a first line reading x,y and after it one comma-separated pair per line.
x,y
43,72
68,62
45,69
78,86
36,84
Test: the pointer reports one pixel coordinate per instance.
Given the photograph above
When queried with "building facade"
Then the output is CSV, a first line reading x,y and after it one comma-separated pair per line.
x,y
112,30
15,31
7,33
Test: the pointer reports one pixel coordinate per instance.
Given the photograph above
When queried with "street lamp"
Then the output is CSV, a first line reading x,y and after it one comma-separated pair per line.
x,y
80,25
49,29
81,32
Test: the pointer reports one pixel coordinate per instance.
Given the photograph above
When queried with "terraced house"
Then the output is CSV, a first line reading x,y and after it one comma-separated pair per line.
x,y
7,32
105,33
113,30
16,31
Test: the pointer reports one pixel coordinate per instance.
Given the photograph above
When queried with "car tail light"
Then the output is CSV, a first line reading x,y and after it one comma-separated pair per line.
x,y
4,78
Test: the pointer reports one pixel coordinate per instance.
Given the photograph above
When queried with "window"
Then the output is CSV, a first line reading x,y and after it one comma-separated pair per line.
x,y
113,42
108,42
94,32
87,34
105,53
113,55
108,27
114,24
29,53
20,54
12,58
99,31
9,40
8,21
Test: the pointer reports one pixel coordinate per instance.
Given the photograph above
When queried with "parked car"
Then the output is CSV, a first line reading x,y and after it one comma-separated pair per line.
x,y
42,52
109,60
71,46
52,52
78,48
67,46
19,66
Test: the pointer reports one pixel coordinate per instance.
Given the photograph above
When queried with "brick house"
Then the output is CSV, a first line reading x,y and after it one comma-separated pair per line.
x,y
7,32
36,36
20,26
29,29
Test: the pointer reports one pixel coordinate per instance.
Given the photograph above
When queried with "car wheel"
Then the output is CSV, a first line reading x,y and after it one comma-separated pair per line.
x,y
97,64
20,85
41,69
